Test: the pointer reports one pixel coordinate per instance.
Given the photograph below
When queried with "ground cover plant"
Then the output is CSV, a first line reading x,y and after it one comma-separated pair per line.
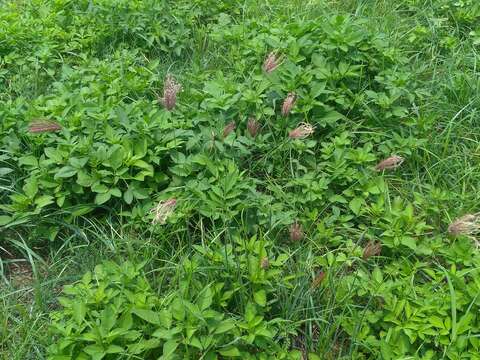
x,y
223,179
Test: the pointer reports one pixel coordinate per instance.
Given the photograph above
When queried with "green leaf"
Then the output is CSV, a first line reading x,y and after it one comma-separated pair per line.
x,y
98,187
108,318
165,318
140,194
225,326
143,345
102,198
114,349
78,163
29,160
54,154
128,196
4,220
260,297
178,309
83,179
4,171
31,187
116,157
147,315
95,351
79,310
169,347
65,172
409,242
250,312
44,200
331,117
356,205
143,165
230,351
116,192
205,299
377,275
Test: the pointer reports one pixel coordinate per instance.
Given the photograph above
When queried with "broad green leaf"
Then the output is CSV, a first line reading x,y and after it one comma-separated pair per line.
x,y
65,172
260,297
98,187
114,349
165,318
115,192
128,196
377,275
31,187
178,309
102,198
225,326
205,299
147,315
230,351
143,165
356,205
116,157
409,242
144,345
44,200
29,160
169,347
78,163
95,351
79,310
54,154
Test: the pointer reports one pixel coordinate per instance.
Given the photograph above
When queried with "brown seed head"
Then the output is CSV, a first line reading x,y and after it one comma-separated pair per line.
x,y
372,248
253,127
272,61
468,225
302,131
288,103
318,279
264,263
170,91
229,128
296,232
392,162
43,125
163,210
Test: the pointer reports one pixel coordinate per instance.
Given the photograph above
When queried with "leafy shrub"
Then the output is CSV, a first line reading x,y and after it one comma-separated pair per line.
x,y
113,313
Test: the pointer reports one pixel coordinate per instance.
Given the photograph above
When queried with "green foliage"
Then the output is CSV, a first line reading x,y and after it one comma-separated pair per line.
x,y
223,276
114,314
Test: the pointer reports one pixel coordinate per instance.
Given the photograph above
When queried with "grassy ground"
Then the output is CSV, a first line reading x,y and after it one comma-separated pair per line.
x,y
375,78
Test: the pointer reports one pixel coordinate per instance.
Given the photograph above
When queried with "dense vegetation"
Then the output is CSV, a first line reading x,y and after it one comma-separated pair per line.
x,y
212,179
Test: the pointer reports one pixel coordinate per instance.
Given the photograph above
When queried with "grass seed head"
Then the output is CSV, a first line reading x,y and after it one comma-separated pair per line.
x,y
288,104
317,281
253,127
43,125
163,210
302,131
272,61
170,91
265,263
229,128
468,225
392,162
373,248
296,232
